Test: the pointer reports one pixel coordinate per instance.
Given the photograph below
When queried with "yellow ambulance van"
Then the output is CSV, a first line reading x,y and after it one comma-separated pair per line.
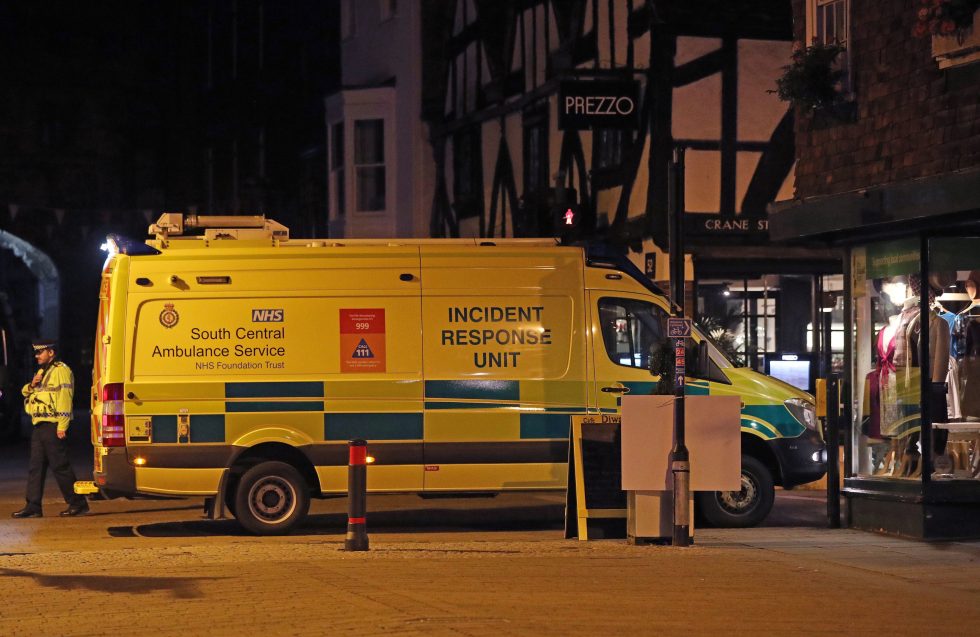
x,y
236,364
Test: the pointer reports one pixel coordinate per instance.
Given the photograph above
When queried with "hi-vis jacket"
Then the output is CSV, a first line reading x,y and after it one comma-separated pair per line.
x,y
51,401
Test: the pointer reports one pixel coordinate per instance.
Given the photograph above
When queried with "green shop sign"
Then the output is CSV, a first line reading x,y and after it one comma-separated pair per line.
x,y
893,258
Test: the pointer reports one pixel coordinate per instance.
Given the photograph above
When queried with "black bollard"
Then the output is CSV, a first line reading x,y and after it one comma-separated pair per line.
x,y
357,538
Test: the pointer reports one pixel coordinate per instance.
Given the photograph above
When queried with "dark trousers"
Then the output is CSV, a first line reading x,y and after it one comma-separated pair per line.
x,y
47,449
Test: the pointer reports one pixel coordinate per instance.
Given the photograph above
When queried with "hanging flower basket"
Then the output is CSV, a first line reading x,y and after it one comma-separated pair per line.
x,y
812,80
944,17
954,26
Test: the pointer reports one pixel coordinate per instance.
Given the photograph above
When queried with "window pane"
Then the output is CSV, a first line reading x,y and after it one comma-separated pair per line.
x,y
885,305
631,331
840,31
369,141
341,191
610,148
370,188
338,145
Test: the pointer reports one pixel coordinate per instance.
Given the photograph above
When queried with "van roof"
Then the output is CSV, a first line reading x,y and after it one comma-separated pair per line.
x,y
254,231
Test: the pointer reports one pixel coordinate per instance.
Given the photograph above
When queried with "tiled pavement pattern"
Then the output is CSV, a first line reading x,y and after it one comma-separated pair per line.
x,y
153,567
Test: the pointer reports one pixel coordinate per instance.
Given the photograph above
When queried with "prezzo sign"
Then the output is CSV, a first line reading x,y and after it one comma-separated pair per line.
x,y
584,104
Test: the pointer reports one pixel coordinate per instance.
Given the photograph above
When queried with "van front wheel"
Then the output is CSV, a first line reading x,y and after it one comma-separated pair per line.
x,y
271,498
747,507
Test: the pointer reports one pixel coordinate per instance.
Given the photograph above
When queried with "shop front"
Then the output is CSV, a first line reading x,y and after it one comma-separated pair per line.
x,y
912,354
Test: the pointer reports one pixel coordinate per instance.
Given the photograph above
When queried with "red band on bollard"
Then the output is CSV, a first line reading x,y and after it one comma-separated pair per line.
x,y
358,455
356,520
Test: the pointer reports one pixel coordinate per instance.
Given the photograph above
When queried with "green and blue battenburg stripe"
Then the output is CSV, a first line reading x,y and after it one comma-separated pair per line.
x,y
496,390
274,390
373,426
547,425
203,428
775,416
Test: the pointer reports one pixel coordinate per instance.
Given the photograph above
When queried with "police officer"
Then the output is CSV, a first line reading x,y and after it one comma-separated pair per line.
x,y
48,401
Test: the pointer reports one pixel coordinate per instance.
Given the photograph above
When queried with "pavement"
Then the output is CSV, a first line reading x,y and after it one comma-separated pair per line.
x,y
473,566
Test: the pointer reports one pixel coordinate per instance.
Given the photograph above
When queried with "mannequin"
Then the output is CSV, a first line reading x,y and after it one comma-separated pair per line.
x,y
883,408
938,369
969,364
892,355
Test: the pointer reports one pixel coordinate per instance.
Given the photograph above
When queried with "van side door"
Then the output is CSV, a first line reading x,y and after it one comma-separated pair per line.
x,y
627,330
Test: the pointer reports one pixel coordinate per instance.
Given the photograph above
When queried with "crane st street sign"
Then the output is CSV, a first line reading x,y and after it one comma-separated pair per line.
x,y
585,104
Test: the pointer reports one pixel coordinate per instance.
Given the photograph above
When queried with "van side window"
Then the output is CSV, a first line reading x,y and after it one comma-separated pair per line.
x,y
631,330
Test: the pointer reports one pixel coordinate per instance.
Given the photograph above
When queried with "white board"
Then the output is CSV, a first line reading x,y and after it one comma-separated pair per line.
x,y
712,436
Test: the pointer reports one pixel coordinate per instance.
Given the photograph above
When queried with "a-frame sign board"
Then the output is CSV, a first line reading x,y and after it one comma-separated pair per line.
x,y
595,503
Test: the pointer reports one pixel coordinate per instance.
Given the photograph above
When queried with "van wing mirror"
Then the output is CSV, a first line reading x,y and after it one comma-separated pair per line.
x,y
703,361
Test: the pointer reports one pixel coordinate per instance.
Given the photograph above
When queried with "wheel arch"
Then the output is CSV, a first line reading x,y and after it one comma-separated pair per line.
x,y
266,451
758,448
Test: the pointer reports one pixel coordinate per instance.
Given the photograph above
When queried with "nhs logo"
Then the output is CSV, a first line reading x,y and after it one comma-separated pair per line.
x,y
267,316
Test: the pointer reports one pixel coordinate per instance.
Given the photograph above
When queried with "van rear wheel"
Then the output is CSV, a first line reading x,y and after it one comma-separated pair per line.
x,y
271,498
746,507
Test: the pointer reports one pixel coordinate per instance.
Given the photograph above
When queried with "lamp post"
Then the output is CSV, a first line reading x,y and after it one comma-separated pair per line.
x,y
679,460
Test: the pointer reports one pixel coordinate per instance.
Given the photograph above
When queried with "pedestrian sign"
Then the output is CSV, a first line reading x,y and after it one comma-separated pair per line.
x,y
678,327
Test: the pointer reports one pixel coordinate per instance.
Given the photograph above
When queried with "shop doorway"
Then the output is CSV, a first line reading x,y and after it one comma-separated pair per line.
x,y
788,325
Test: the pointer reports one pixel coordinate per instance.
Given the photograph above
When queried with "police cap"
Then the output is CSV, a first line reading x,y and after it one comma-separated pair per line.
x,y
41,344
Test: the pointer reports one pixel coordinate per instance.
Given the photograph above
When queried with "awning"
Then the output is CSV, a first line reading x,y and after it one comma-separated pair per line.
x,y
948,200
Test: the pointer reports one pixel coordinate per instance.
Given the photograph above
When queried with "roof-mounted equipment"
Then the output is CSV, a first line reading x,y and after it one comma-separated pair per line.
x,y
255,227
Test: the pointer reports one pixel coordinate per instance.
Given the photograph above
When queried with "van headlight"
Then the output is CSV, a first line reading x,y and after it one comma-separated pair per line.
x,y
804,412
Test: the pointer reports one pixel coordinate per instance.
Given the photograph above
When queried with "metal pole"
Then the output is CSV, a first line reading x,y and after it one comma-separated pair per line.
x,y
847,398
357,538
833,451
680,465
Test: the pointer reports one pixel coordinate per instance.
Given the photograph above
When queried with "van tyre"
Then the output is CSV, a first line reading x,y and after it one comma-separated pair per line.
x,y
739,509
271,498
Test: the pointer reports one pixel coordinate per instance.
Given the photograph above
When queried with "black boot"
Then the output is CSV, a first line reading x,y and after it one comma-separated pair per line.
x,y
27,512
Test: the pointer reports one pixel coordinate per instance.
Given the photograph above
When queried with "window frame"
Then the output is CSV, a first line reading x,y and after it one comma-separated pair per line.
x,y
845,61
359,166
626,303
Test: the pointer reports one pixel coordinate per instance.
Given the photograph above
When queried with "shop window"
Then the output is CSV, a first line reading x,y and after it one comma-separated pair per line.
x,y
369,164
886,304
829,22
954,357
888,360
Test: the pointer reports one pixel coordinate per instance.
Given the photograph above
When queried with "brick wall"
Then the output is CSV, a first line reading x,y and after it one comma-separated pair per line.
x,y
910,120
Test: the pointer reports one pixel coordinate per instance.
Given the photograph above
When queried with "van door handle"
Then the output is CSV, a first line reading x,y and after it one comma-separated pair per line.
x,y
616,390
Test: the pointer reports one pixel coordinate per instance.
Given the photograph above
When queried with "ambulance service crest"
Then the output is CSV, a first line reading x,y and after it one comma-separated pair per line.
x,y
169,316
